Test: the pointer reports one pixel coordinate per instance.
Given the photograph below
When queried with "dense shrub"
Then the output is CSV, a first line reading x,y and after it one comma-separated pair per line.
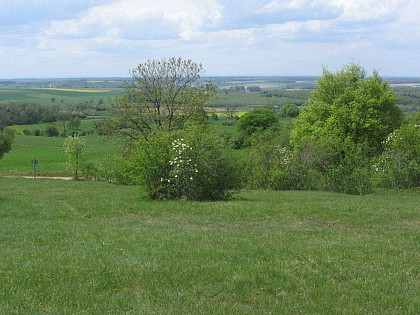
x,y
257,120
254,122
52,131
290,110
116,169
6,139
192,165
398,166
270,166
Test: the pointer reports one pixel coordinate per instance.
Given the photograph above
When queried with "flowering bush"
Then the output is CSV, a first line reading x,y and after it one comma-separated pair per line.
x,y
175,165
183,171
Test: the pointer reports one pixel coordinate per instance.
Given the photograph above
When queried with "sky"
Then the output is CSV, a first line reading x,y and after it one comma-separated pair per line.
x,y
108,38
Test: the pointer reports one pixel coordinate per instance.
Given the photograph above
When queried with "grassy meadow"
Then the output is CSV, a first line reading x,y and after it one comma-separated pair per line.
x,y
56,96
49,152
89,247
71,247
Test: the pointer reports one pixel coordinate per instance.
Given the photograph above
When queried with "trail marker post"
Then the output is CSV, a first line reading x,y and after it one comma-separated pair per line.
x,y
34,163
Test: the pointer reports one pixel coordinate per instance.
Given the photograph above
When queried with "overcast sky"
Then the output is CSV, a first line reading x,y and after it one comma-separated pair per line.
x,y
98,38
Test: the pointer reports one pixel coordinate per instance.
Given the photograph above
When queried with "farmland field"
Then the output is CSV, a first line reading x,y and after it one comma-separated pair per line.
x,y
276,91
95,248
57,96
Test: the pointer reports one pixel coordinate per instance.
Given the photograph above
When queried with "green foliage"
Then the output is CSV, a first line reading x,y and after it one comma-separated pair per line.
x,y
290,110
74,122
163,96
272,166
253,123
353,174
253,89
52,131
17,113
348,106
257,120
398,166
191,164
345,124
75,149
7,136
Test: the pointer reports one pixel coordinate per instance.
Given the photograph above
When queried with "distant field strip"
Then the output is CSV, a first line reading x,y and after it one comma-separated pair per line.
x,y
47,95
79,90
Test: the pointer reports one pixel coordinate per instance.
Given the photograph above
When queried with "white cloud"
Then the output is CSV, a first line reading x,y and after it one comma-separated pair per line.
x,y
108,37
348,10
368,10
141,19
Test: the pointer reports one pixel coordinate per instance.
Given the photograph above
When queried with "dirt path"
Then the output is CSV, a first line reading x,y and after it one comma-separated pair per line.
x,y
47,177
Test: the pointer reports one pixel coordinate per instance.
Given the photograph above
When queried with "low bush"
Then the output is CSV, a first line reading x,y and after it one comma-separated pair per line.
x,y
193,165
52,131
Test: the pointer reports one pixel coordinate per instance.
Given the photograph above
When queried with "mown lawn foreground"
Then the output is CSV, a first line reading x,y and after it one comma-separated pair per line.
x,y
96,248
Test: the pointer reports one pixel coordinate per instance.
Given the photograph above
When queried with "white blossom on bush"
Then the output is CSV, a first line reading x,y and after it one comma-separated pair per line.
x,y
182,168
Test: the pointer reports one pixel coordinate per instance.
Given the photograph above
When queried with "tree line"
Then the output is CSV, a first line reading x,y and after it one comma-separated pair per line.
x,y
17,113
351,137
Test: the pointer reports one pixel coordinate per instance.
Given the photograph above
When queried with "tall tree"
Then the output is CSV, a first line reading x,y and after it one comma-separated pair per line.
x,y
163,95
344,125
348,107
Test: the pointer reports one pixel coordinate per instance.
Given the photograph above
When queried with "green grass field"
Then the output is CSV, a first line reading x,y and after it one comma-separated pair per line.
x,y
246,101
61,96
49,152
96,248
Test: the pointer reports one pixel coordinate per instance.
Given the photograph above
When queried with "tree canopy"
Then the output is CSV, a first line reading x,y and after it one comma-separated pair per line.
x,y
257,120
163,95
348,107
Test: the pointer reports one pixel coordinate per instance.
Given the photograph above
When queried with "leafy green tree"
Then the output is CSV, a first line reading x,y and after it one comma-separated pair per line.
x,y
64,117
6,139
344,125
254,122
52,131
290,110
348,106
257,120
74,123
75,148
163,96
